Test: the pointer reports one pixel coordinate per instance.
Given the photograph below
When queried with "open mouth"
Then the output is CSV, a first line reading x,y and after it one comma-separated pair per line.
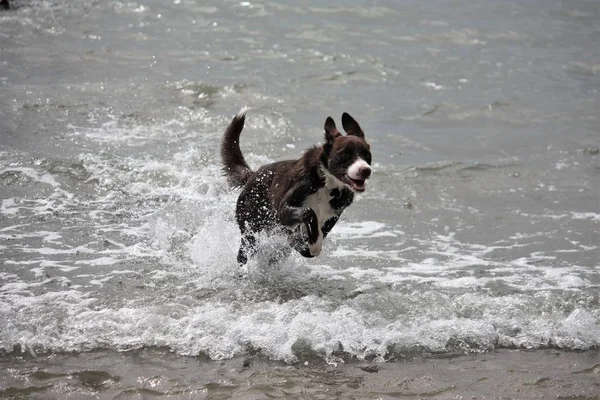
x,y
358,185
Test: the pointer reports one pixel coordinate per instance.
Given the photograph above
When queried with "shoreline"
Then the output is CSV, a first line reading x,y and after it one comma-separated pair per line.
x,y
157,372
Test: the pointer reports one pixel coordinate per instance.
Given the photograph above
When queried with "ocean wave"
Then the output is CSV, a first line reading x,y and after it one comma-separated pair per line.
x,y
415,324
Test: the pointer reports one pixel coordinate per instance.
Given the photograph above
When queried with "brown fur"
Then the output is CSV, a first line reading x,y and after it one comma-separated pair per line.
x,y
276,195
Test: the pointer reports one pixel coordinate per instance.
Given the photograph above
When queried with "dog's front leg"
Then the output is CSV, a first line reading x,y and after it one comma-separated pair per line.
x,y
329,224
291,216
291,212
247,247
315,240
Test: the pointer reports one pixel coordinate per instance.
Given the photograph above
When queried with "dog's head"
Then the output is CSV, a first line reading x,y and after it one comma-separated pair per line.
x,y
347,157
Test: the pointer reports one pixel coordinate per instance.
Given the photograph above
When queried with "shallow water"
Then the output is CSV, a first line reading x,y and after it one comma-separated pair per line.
x,y
478,231
154,373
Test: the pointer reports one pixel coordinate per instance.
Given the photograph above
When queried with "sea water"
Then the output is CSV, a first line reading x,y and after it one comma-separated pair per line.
x,y
478,231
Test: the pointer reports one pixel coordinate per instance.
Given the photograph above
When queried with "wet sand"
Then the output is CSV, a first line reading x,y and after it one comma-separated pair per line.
x,y
155,373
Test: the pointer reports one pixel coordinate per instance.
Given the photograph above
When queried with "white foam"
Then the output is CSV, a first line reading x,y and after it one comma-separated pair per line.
x,y
9,207
98,261
351,230
35,175
586,215
224,329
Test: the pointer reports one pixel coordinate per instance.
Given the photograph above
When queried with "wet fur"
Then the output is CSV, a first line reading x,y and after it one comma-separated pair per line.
x,y
303,198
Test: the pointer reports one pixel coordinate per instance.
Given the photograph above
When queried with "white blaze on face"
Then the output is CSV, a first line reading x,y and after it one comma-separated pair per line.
x,y
355,168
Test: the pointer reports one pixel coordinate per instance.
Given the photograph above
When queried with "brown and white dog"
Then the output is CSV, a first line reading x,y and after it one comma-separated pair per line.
x,y
303,198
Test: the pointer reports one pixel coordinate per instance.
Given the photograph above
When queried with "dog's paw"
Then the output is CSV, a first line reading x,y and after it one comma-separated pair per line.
x,y
315,248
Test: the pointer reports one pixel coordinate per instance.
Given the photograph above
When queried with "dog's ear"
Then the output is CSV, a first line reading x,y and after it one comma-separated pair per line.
x,y
351,126
331,131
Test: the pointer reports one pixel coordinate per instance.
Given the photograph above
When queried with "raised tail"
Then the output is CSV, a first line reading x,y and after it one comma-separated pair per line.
x,y
235,167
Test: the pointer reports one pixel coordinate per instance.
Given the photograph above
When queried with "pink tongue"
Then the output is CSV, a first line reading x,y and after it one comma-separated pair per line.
x,y
358,185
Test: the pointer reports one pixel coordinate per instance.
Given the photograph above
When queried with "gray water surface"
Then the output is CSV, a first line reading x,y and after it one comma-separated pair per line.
x,y
479,229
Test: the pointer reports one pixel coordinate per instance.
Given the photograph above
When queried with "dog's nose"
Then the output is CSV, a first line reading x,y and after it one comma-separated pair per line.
x,y
365,172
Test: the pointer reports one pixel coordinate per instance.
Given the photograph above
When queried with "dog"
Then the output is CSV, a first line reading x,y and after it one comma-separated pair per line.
x,y
303,198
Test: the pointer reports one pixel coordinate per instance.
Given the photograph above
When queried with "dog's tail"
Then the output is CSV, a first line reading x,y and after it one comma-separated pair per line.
x,y
235,167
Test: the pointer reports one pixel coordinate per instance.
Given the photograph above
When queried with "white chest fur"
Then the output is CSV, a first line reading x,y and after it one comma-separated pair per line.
x,y
319,202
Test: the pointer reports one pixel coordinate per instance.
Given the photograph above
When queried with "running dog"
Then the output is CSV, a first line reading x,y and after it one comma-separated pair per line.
x,y
303,198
